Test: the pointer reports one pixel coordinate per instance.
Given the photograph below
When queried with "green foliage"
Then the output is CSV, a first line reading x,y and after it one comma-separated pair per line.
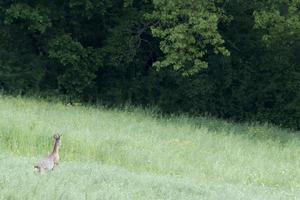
x,y
35,19
188,31
173,55
280,21
21,70
78,64
123,41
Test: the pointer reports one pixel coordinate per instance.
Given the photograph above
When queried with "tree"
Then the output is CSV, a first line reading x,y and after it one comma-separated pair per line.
x,y
189,32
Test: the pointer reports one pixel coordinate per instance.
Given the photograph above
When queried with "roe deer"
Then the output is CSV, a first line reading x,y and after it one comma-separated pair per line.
x,y
52,160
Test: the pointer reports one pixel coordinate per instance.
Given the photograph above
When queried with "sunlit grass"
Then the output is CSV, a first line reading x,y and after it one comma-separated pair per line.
x,y
136,154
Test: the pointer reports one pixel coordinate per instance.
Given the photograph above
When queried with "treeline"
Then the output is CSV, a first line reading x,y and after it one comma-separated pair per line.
x,y
234,59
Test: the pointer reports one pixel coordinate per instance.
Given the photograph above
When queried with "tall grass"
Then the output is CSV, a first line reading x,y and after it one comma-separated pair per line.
x,y
133,154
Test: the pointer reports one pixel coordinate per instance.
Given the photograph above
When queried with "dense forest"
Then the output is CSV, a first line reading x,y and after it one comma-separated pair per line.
x,y
236,59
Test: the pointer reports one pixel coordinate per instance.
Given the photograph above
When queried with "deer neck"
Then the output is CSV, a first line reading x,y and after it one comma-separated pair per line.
x,y
55,148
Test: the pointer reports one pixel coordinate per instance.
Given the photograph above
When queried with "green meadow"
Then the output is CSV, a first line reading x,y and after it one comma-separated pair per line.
x,y
138,154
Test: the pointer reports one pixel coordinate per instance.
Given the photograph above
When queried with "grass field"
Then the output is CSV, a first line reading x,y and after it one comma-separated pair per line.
x,y
114,154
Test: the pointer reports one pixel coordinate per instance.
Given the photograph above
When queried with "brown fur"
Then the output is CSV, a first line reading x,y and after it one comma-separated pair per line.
x,y
53,159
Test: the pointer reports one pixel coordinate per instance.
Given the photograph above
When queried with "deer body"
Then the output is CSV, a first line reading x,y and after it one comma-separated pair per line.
x,y
52,160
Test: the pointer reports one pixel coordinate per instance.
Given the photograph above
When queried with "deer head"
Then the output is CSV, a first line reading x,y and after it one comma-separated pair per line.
x,y
57,138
